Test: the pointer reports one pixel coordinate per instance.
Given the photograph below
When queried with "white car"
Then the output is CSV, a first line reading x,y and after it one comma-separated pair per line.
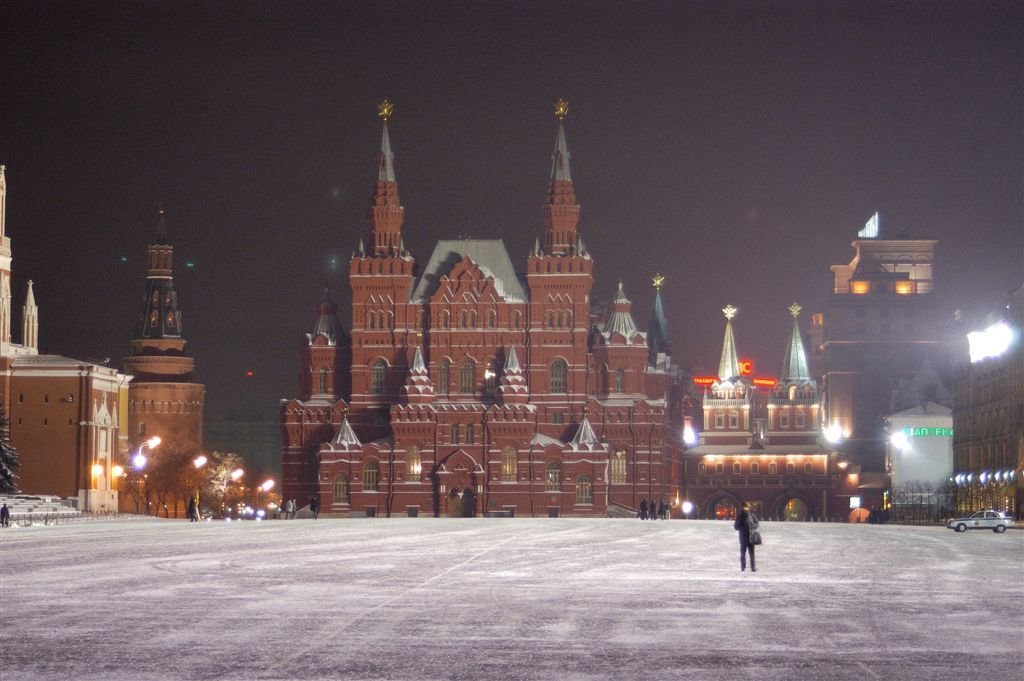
x,y
982,520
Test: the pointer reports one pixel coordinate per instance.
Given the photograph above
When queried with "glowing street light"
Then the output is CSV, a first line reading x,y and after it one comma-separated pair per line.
x,y
199,461
899,440
265,487
689,435
236,474
834,433
139,460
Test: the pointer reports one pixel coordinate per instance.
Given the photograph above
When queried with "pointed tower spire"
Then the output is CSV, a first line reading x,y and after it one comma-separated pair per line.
x,y
620,321
346,438
418,388
327,324
729,365
561,213
161,228
30,321
386,213
513,383
5,268
585,437
794,364
657,326
160,317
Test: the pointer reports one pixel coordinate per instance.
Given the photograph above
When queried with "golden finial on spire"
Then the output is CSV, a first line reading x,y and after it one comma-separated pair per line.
x,y
729,311
657,281
160,207
794,310
384,109
561,108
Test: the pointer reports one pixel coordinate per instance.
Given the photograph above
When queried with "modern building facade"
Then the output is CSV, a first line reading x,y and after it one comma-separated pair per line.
x,y
878,326
65,415
763,445
466,386
988,418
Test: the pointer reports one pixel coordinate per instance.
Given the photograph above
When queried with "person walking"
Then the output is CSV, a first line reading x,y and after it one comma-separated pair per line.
x,y
5,516
745,522
314,506
289,509
193,511
643,509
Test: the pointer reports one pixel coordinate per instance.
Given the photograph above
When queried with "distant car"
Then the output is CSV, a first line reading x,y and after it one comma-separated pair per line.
x,y
982,520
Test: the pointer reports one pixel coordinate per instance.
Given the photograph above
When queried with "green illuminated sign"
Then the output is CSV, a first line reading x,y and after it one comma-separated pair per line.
x,y
928,432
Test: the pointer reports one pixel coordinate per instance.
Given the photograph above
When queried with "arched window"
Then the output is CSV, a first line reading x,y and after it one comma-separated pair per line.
x,y
516,319
508,463
472,319
421,319
462,319
620,381
559,371
792,392
603,380
619,468
550,322
553,477
446,319
341,489
492,319
371,320
378,377
584,490
490,376
455,433
371,473
466,376
444,378
470,434
413,463
389,321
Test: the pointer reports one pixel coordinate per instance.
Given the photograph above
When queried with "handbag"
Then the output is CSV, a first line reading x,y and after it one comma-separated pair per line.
x,y
755,537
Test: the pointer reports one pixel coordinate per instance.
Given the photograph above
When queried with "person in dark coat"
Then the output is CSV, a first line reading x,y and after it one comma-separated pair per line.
x,y
661,509
643,509
314,506
193,511
744,521
5,516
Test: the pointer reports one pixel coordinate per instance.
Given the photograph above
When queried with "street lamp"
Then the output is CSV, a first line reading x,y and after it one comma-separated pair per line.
x,y
265,487
139,460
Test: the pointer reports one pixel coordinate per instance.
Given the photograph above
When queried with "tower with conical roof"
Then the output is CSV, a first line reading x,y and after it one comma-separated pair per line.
x,y
326,355
793,414
657,329
163,399
728,409
620,352
381,278
560,278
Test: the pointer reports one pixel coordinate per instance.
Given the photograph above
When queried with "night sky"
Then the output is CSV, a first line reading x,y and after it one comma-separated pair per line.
x,y
735,147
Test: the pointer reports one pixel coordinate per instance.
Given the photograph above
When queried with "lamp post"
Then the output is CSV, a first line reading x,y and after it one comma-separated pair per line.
x,y
198,462
265,487
139,463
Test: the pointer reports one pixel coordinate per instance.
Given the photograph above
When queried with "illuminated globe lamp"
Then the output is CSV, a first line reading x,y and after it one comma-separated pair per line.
x,y
139,460
689,435
899,440
834,434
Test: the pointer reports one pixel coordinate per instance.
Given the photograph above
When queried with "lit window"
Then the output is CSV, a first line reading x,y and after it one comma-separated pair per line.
x,y
584,490
341,489
904,288
619,468
860,287
490,377
553,477
413,462
370,474
508,463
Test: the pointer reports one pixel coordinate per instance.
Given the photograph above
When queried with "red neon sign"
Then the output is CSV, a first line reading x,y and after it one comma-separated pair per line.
x,y
766,382
704,380
746,367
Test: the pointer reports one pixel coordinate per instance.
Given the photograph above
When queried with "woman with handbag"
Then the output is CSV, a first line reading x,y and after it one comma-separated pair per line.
x,y
746,523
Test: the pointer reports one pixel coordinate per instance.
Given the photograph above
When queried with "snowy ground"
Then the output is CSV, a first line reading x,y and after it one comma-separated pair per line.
x,y
422,599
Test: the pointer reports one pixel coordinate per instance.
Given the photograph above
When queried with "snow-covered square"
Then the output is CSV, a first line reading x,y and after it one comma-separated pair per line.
x,y
420,599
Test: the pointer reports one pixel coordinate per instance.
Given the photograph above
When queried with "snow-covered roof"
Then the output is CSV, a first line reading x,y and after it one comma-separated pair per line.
x,y
488,254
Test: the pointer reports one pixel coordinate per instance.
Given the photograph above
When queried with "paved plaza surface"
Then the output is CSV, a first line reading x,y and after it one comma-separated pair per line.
x,y
477,599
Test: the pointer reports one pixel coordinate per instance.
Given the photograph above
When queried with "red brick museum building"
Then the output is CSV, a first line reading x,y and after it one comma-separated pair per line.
x,y
467,386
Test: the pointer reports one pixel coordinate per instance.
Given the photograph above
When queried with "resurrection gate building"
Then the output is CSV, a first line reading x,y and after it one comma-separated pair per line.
x,y
468,387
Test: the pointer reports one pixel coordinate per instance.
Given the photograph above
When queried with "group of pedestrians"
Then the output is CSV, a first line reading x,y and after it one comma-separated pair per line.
x,y
653,510
290,508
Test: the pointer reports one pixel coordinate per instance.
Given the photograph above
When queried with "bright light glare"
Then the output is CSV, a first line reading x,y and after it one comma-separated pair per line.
x,y
118,471
236,474
689,436
267,486
97,470
991,342
199,461
153,441
139,461
687,507
899,440
834,433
